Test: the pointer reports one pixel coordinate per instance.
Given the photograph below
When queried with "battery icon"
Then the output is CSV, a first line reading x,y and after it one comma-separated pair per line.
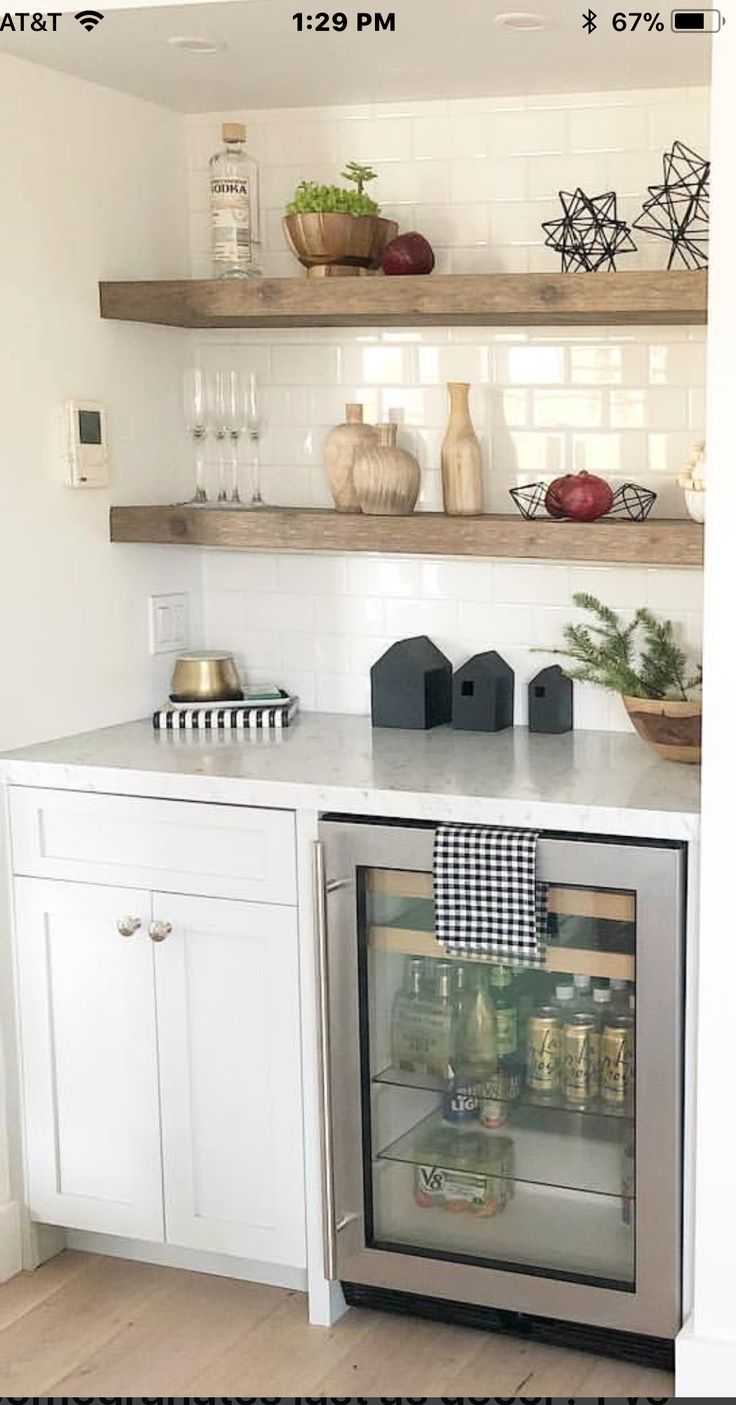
x,y
697,21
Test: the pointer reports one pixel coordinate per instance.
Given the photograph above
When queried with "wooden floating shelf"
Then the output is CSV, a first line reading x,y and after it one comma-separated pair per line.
x,y
663,542
481,300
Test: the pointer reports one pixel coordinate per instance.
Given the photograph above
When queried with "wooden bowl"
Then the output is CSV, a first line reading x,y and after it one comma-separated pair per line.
x,y
333,246
673,728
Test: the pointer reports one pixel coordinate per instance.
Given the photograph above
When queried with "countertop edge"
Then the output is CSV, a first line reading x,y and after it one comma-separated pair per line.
x,y
391,804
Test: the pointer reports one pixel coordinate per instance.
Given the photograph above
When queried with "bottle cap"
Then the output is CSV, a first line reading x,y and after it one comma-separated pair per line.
x,y
564,992
601,994
233,131
581,982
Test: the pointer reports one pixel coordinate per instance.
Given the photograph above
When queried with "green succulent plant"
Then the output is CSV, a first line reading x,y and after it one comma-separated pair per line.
x,y
641,659
312,199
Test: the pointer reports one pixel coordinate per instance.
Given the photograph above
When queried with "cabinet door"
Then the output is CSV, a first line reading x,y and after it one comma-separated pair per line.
x,y
227,997
89,1057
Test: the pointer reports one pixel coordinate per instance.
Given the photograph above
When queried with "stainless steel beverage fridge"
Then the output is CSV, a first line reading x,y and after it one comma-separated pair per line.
x,y
503,1144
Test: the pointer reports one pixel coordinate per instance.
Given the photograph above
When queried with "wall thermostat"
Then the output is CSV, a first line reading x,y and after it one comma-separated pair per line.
x,y
86,436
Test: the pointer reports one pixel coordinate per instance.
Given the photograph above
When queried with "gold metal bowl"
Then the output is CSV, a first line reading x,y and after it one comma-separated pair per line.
x,y
205,677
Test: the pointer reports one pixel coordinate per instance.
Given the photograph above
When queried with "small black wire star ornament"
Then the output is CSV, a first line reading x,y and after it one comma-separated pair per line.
x,y
678,209
590,234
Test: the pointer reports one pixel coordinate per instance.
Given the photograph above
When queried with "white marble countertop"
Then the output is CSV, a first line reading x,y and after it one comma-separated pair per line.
x,y
593,782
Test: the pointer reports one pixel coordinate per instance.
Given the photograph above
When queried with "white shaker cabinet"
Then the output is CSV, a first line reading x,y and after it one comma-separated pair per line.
x,y
160,1026
88,1031
228,1025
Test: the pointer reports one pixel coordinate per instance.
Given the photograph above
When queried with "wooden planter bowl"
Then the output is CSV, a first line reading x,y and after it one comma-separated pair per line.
x,y
673,728
338,246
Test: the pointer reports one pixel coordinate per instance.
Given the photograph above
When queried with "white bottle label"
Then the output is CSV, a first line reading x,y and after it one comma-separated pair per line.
x,y
230,209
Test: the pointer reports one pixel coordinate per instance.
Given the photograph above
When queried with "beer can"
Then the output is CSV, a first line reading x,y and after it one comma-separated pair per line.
x,y
543,1048
580,1059
617,1061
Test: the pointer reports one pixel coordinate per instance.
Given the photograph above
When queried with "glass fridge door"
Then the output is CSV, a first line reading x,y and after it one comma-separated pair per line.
x,y
502,1100
508,1137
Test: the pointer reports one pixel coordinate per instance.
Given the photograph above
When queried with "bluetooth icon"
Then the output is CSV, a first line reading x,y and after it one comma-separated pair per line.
x,y
589,21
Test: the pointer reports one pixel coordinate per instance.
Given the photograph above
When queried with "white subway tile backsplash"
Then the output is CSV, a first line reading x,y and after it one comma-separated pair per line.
x,y
478,177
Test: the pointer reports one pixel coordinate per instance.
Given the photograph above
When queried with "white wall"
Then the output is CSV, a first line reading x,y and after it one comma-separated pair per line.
x,y
477,177
93,187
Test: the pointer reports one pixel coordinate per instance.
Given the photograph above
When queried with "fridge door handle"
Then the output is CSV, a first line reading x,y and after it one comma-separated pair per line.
x,y
329,1231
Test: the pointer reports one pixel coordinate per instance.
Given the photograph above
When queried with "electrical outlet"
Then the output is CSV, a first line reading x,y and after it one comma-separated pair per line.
x,y
168,623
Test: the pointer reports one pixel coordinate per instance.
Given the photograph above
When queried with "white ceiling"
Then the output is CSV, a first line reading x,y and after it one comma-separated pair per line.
x,y
441,49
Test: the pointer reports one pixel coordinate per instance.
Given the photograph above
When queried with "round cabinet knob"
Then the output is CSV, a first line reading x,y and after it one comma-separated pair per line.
x,y
128,925
159,931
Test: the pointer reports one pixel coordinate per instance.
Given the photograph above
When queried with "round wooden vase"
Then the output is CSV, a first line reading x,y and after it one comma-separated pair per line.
x,y
338,245
462,473
673,728
340,448
386,477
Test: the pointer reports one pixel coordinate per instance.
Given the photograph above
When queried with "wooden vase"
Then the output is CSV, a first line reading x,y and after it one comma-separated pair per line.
x,y
386,477
462,480
341,445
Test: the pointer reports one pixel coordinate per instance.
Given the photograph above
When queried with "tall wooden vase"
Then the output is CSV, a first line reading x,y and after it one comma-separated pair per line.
x,y
462,480
340,448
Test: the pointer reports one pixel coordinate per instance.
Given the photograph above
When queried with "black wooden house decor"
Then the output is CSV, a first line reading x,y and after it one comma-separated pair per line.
x,y
411,685
550,701
483,694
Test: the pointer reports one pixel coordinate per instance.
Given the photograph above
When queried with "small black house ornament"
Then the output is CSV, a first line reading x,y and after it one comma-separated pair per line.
x,y
483,694
411,685
550,701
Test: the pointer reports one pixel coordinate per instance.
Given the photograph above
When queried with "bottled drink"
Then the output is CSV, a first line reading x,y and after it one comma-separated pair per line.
x,y
439,1023
563,998
476,1031
460,1102
602,1005
234,207
507,1014
583,997
619,996
409,1030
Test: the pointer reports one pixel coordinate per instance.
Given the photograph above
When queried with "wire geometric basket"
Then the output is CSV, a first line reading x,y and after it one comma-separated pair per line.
x,y
630,501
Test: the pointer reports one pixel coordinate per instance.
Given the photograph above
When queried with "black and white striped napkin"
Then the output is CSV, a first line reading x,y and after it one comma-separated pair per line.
x,y
488,901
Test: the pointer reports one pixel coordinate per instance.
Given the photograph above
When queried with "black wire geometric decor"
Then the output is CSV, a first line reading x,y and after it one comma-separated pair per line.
x,y
590,234
630,501
678,209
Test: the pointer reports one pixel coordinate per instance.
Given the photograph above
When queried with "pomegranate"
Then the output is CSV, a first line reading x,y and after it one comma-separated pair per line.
x,y
408,253
583,497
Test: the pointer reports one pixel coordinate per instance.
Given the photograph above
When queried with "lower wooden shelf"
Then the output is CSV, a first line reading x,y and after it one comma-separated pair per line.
x,y
568,961
668,542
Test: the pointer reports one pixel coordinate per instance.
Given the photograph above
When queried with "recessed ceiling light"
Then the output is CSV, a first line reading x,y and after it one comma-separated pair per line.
x,y
192,45
521,19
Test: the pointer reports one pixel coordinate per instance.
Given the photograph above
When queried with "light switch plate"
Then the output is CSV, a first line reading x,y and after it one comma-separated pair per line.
x,y
169,622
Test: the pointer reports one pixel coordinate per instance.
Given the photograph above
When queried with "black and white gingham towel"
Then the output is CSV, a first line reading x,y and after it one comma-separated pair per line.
x,y
487,898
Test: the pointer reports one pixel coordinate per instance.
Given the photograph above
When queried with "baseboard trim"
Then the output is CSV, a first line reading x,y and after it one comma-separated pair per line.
x,y
11,1251
194,1260
705,1367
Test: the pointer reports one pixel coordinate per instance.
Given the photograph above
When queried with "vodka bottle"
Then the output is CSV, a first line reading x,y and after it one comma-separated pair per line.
x,y
602,1005
234,207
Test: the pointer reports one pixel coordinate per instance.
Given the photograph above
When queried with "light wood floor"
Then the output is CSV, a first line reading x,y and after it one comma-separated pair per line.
x,y
86,1325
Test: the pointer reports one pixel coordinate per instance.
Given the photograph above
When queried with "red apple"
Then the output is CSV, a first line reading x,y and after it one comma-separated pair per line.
x,y
408,253
583,497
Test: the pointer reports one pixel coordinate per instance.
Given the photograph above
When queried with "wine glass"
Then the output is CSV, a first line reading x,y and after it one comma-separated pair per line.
x,y
254,427
236,423
217,394
194,404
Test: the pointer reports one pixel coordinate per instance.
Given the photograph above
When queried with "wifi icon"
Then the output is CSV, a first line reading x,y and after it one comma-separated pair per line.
x,y
89,19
